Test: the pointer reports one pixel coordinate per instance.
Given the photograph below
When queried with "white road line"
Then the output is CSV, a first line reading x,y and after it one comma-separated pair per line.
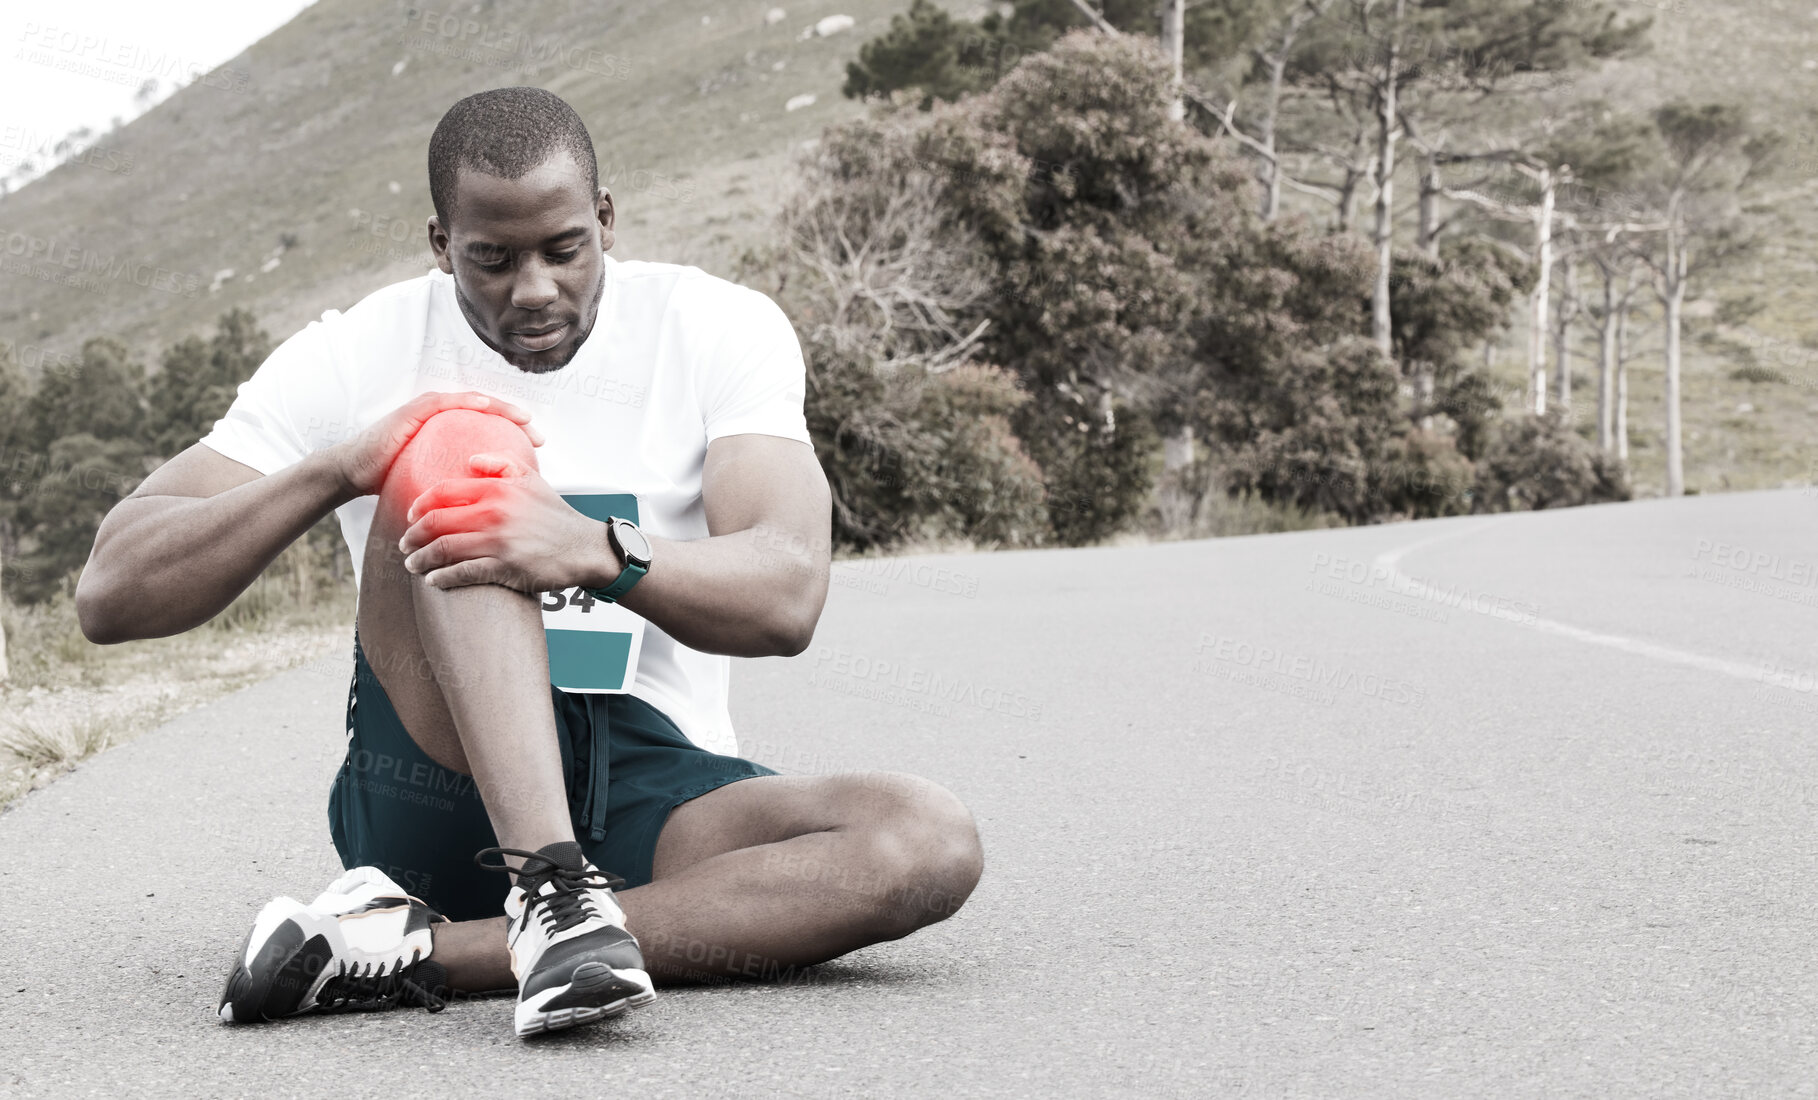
x,y
1406,585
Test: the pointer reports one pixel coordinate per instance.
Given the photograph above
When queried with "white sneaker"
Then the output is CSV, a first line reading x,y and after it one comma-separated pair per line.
x,y
574,960
362,944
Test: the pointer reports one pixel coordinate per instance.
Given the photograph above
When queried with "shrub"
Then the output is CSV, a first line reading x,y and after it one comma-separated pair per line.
x,y
1535,462
1098,474
1298,405
914,455
1422,476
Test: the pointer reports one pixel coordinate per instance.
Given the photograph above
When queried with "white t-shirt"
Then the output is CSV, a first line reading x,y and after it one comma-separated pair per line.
x,y
677,359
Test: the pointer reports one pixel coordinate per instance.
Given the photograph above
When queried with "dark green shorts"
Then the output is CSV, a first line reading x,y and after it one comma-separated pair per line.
x,y
394,808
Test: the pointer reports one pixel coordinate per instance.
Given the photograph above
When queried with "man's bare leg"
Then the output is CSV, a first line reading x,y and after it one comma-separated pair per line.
x,y
750,879
765,875
466,669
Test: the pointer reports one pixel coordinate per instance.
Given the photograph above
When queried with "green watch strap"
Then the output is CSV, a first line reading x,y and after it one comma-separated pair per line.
x,y
629,576
634,563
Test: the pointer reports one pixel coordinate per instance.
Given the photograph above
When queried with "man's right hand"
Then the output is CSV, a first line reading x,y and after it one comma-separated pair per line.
x,y
364,460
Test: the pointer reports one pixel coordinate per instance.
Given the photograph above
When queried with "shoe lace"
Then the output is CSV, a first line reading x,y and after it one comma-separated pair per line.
x,y
378,986
566,903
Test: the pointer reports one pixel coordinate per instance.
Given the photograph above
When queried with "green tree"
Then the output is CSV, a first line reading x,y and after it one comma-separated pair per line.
x,y
1063,226
1299,408
1442,309
1401,62
16,459
82,447
946,58
102,394
1611,159
15,392
1120,220
83,477
912,429
1213,32
928,50
198,379
15,397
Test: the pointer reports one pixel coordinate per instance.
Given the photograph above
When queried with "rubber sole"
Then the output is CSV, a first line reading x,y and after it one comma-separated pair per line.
x,y
597,992
280,978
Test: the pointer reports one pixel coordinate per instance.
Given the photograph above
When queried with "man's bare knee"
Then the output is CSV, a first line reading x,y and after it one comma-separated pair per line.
x,y
924,845
444,447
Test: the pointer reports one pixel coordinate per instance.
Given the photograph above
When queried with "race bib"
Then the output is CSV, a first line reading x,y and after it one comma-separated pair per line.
x,y
593,645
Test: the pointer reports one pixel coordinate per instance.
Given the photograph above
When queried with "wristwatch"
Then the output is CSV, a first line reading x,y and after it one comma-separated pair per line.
x,y
633,550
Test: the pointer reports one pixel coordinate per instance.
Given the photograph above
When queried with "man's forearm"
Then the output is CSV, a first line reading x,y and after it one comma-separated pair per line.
x,y
164,564
754,588
747,594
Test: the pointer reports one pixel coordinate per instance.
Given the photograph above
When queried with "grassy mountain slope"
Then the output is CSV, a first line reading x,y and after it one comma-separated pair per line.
x,y
324,149
317,163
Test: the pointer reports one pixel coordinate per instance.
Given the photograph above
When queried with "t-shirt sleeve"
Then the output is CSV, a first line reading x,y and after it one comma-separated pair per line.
x,y
295,403
752,379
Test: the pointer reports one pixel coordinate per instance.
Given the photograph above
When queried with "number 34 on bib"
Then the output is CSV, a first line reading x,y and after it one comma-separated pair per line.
x,y
593,645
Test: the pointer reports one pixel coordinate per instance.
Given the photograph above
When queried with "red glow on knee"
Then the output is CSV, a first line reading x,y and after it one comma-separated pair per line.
x,y
444,447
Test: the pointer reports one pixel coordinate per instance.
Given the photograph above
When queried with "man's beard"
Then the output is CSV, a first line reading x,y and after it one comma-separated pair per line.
x,y
508,354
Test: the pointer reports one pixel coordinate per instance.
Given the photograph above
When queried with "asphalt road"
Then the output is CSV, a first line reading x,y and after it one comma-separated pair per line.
x,y
1510,807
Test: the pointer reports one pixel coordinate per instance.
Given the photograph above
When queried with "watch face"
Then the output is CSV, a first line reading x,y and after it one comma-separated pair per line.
x,y
631,541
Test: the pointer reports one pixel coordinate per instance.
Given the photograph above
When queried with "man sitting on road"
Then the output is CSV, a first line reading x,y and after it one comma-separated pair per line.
x,y
505,714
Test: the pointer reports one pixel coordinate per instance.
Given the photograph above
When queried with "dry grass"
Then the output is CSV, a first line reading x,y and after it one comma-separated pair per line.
x,y
68,699
53,746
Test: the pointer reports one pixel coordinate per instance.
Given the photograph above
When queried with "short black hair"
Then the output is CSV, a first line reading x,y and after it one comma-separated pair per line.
x,y
506,132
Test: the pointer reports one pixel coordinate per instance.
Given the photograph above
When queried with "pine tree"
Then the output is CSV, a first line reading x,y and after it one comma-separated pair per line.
x,y
1712,154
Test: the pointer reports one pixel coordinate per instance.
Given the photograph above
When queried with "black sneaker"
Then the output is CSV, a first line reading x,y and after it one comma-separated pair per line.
x,y
362,945
574,960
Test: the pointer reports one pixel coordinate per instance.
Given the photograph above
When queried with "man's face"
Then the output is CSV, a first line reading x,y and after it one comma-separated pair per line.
x,y
528,260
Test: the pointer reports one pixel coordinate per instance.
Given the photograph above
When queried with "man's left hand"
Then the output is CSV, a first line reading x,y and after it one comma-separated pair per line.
x,y
505,526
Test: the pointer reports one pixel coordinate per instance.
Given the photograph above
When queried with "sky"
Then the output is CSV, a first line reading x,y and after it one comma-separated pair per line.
x,y
79,62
